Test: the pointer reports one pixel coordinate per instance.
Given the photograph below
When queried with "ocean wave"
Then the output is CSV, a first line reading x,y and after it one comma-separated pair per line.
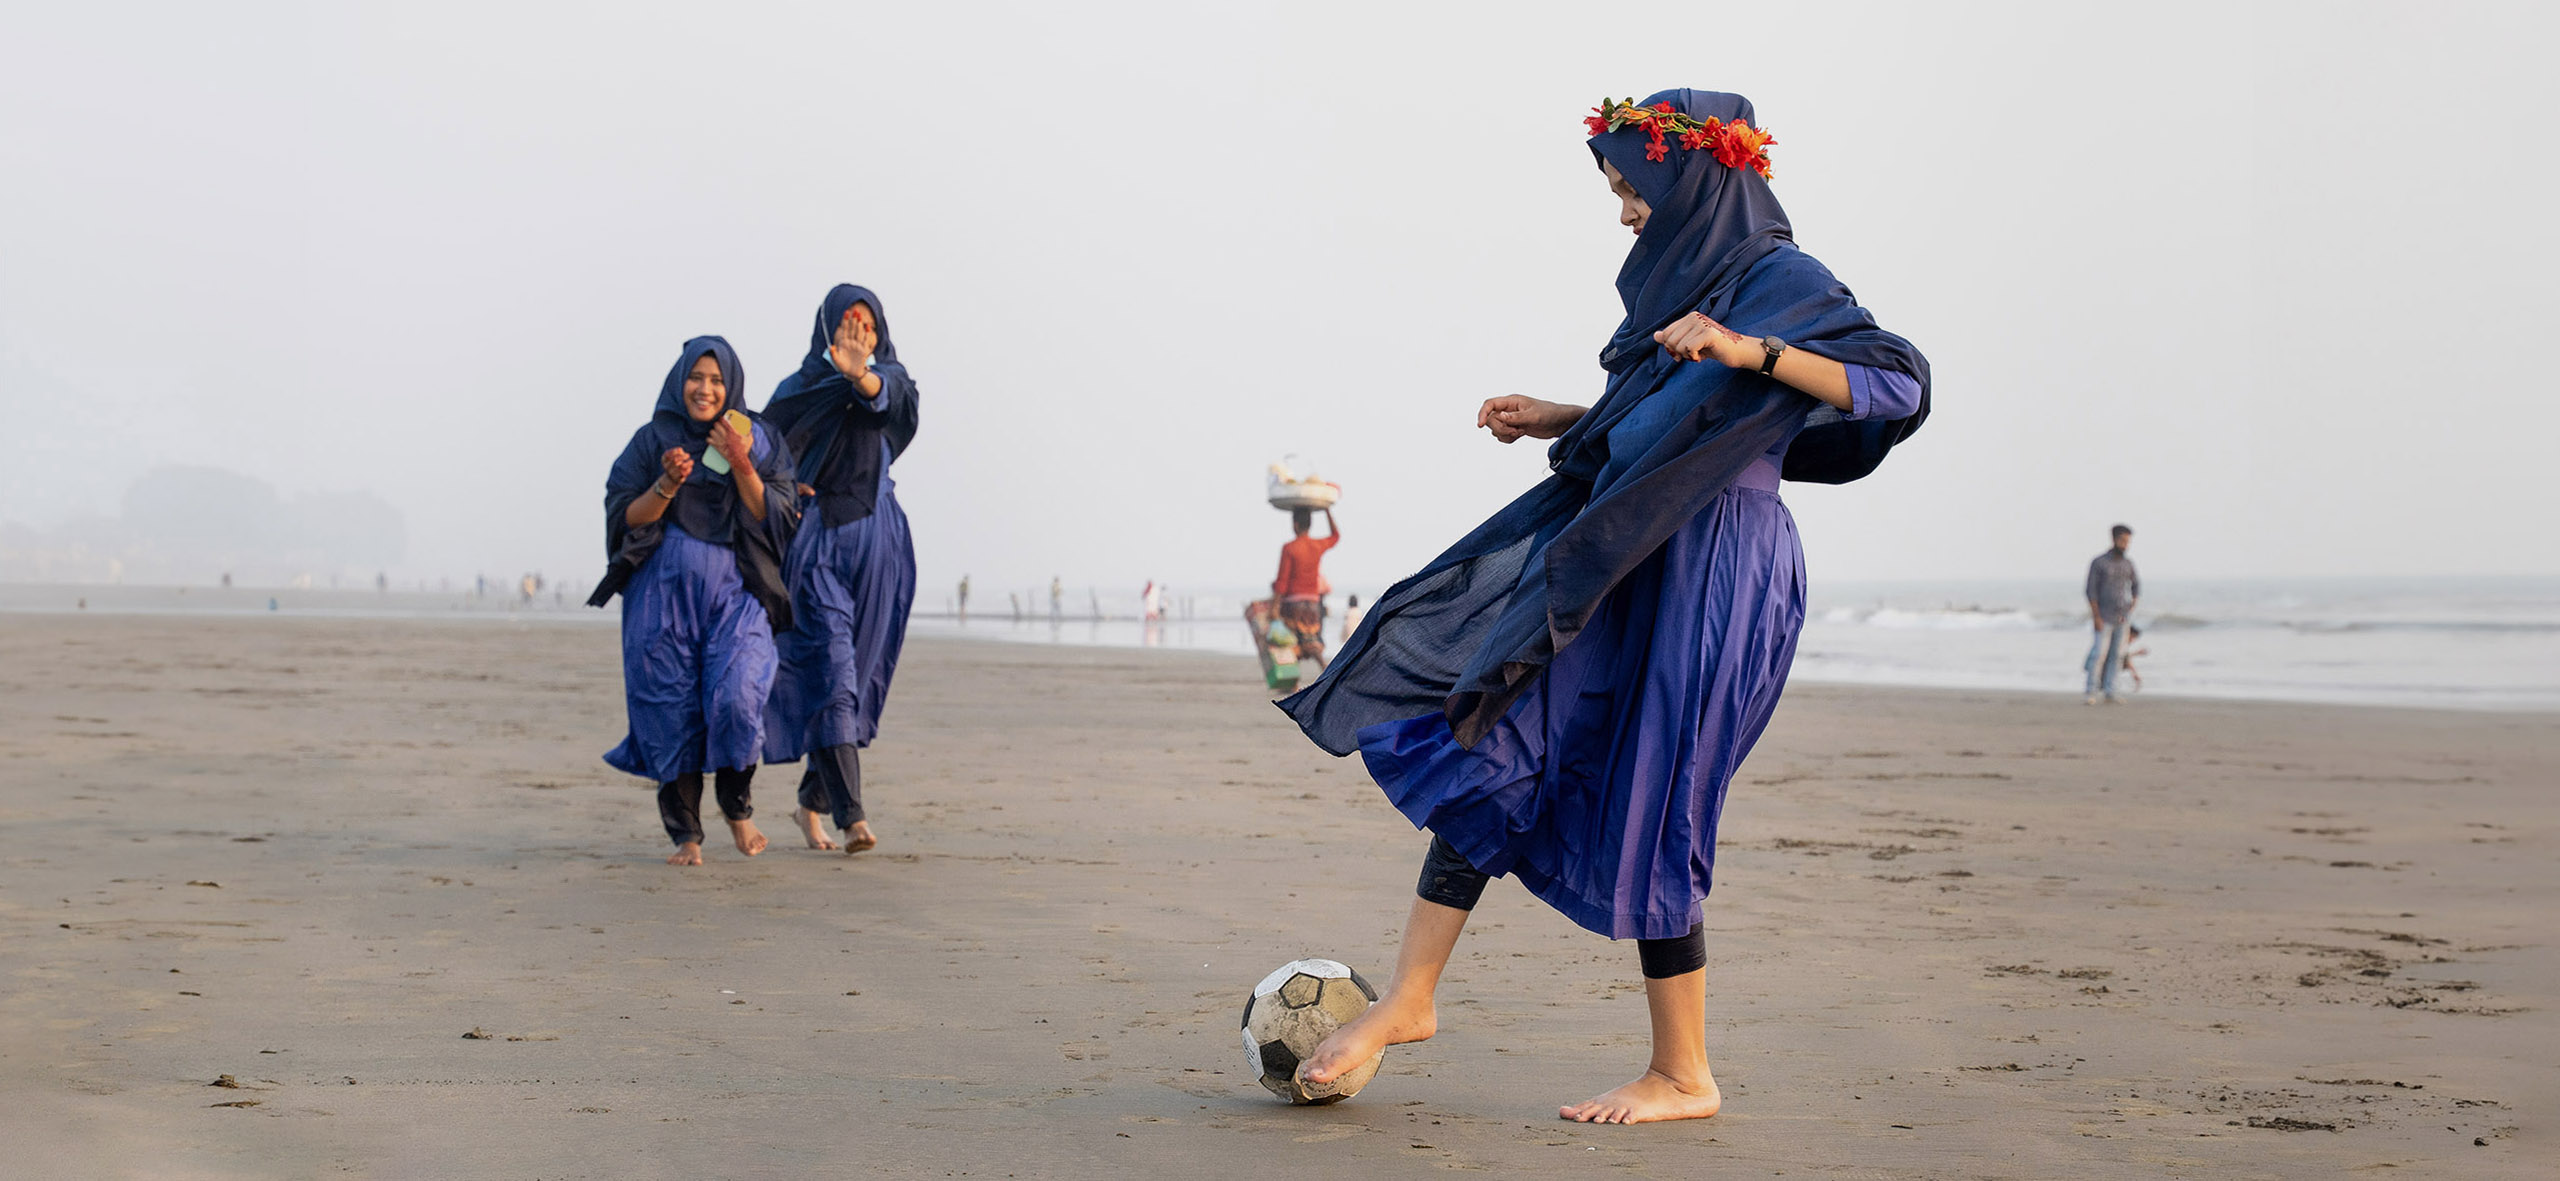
x,y
1943,619
1977,618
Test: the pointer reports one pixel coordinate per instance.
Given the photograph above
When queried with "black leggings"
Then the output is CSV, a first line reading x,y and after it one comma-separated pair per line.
x,y
680,801
1448,880
832,784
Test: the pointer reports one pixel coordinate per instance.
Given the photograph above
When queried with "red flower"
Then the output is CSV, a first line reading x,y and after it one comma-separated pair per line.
x,y
1665,108
1694,140
1599,124
1656,150
1742,146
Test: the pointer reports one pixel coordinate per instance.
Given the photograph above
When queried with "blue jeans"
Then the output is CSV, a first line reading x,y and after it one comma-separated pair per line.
x,y
2106,655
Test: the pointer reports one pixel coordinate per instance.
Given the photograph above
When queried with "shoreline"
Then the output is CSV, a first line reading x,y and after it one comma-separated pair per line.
x,y
2501,662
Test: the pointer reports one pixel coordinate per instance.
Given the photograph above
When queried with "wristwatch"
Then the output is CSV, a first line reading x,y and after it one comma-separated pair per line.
x,y
1772,346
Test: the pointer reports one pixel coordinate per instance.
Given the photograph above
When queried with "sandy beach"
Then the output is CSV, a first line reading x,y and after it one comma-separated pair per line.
x,y
374,874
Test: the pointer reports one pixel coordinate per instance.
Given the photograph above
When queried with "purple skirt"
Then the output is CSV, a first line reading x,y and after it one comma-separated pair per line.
x,y
1601,787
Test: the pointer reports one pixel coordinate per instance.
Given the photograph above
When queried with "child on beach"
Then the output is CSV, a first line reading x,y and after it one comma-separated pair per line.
x,y
2133,641
1565,694
698,509
848,414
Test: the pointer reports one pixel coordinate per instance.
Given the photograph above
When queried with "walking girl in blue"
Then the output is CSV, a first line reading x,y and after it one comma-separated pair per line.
x,y
848,414
1565,694
697,510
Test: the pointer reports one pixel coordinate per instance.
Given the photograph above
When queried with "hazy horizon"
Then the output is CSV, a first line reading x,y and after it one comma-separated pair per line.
x,y
2244,277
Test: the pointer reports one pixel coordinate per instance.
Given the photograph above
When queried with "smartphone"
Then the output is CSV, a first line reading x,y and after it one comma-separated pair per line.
x,y
711,457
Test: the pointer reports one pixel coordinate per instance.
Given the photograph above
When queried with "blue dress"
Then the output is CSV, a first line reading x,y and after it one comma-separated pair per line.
x,y
700,586
1565,693
851,588
697,663
1601,786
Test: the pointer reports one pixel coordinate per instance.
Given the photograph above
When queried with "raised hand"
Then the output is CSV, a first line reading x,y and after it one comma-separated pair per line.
x,y
1513,417
1694,337
855,340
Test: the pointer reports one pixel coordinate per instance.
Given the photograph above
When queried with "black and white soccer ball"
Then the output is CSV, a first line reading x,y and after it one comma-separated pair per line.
x,y
1291,1012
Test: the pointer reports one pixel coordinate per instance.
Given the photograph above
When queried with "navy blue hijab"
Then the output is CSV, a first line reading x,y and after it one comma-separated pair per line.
x,y
845,440
709,499
1473,630
706,507
1709,224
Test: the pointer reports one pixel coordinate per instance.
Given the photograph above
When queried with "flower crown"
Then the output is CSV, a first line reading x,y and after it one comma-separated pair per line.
x,y
1736,145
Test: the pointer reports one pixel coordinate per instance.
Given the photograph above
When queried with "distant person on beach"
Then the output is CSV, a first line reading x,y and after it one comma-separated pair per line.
x,y
697,561
849,413
1565,694
2112,588
964,596
1352,612
1057,599
2133,636
1299,588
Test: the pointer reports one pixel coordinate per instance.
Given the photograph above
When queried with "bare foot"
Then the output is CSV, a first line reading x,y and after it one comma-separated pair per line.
x,y
688,853
859,838
812,831
1653,1096
750,842
1390,1022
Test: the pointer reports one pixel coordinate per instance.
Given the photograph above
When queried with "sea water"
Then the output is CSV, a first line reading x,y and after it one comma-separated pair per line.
x,y
2476,643
2482,643
2469,643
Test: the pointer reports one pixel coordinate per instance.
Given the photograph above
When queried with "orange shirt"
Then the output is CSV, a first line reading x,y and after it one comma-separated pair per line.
x,y
1302,566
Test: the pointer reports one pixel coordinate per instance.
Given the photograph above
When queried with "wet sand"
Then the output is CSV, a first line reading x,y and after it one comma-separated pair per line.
x,y
1954,935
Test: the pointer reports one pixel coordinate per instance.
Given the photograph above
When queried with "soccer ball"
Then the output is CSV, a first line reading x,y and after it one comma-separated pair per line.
x,y
1291,1012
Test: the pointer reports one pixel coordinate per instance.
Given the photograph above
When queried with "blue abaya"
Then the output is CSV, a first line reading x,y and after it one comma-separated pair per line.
x,y
852,566
698,656
1565,694
851,588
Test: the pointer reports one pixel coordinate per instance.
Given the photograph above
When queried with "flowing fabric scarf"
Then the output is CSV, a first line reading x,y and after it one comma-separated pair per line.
x,y
707,506
837,433
1473,630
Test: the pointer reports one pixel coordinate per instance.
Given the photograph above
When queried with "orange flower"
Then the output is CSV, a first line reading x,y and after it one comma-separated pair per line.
x,y
1743,146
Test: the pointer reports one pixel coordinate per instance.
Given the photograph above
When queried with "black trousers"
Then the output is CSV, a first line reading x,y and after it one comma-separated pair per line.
x,y
831,785
680,801
1448,880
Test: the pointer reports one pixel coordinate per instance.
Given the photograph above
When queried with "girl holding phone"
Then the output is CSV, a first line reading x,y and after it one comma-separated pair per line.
x,y
697,510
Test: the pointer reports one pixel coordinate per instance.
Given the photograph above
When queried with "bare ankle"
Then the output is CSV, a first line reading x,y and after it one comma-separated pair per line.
x,y
1693,1079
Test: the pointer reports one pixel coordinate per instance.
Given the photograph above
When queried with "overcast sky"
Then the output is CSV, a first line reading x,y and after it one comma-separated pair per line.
x,y
2264,280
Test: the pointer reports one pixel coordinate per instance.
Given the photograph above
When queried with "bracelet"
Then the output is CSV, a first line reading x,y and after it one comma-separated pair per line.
x,y
660,489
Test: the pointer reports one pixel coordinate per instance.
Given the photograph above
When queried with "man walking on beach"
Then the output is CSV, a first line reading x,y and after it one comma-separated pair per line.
x,y
2112,590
